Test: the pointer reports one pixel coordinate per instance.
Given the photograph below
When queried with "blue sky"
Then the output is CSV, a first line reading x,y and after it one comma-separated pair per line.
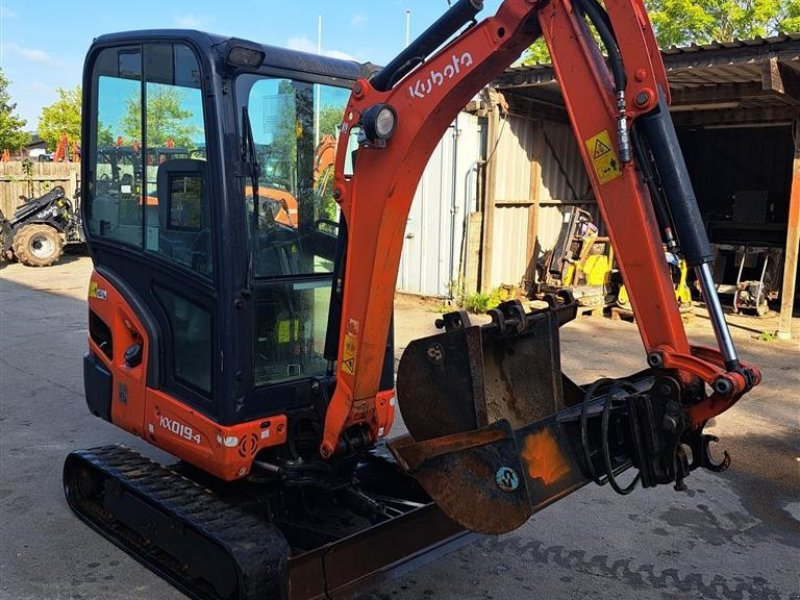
x,y
42,44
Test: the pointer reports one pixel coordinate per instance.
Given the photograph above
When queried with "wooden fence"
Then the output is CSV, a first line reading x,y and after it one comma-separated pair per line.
x,y
42,177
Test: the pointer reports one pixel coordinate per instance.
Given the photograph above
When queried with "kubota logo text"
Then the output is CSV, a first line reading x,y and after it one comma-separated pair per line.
x,y
423,87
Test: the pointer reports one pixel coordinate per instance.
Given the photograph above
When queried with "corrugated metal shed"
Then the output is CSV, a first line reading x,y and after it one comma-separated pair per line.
x,y
447,193
736,106
539,172
563,177
738,81
514,152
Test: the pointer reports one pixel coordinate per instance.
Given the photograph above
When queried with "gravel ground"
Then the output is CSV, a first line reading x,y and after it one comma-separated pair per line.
x,y
734,535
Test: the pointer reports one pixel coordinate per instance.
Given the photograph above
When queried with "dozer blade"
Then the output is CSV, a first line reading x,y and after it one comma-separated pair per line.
x,y
491,417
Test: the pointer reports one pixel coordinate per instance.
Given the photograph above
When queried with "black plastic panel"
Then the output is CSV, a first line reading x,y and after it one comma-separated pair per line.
x,y
97,381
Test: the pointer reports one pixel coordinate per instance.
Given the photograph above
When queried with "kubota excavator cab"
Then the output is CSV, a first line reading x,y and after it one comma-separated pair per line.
x,y
213,322
232,305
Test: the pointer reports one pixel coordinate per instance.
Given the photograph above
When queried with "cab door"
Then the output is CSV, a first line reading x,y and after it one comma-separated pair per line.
x,y
149,211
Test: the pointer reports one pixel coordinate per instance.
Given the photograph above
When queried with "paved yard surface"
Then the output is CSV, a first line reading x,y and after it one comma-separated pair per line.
x,y
733,536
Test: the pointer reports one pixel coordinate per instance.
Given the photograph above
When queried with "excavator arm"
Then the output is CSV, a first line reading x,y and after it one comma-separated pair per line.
x,y
618,107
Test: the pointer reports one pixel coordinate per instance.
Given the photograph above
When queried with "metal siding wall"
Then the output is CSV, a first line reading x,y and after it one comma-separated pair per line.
x,y
513,154
563,182
562,167
514,151
425,265
510,260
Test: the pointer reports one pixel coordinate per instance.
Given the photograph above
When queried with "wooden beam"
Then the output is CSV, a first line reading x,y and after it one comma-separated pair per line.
x,y
790,80
738,116
711,94
771,76
792,249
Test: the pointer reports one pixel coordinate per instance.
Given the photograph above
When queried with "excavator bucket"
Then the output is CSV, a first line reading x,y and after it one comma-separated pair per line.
x,y
482,406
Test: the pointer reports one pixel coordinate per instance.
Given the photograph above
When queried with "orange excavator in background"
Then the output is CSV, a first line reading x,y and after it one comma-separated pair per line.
x,y
261,355
66,151
280,187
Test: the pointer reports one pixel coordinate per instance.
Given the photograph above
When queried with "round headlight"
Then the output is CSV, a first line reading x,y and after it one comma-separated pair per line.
x,y
379,122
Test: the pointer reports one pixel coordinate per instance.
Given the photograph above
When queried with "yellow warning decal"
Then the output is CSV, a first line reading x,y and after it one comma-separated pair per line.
x,y
97,292
349,354
604,159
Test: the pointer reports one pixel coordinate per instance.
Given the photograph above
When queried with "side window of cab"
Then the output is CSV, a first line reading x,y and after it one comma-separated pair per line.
x,y
129,203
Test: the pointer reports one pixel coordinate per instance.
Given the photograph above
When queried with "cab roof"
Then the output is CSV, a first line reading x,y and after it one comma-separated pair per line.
x,y
217,45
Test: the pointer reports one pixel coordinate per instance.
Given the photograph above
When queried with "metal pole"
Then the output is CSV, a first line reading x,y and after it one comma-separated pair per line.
x,y
408,27
717,317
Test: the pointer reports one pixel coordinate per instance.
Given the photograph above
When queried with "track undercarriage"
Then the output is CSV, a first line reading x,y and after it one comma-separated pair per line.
x,y
244,541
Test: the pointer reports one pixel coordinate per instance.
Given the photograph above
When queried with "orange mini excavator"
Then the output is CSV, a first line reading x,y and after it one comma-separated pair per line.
x,y
259,353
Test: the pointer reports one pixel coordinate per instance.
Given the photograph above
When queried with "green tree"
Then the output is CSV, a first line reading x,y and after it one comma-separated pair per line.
x,y
682,22
104,135
12,137
330,117
166,118
62,116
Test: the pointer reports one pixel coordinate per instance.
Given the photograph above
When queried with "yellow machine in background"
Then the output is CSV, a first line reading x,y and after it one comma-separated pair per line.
x,y
583,262
680,272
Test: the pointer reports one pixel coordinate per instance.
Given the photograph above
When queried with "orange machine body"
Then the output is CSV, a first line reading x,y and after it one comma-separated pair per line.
x,y
224,451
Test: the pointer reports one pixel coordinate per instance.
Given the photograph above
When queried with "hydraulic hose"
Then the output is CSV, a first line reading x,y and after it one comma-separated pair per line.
x,y
598,16
458,15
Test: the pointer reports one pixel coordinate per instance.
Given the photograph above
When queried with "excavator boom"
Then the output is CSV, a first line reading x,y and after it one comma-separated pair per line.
x,y
618,108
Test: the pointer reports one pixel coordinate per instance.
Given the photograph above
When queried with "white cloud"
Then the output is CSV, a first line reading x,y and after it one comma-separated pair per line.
x,y
31,54
339,54
301,44
358,19
7,13
192,21
304,44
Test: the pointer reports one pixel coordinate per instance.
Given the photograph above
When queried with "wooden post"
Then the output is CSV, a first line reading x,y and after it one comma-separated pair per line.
x,y
73,183
792,248
475,220
492,133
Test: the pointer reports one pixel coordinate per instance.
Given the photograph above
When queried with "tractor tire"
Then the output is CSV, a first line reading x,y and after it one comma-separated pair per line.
x,y
38,245
6,239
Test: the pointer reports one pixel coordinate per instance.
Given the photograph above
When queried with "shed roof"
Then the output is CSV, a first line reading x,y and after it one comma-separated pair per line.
x,y
739,81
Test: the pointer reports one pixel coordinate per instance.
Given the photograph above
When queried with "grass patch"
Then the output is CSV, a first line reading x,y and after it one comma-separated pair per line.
x,y
767,336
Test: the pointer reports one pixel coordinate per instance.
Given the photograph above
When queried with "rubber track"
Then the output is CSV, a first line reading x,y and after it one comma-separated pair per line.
x,y
257,548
